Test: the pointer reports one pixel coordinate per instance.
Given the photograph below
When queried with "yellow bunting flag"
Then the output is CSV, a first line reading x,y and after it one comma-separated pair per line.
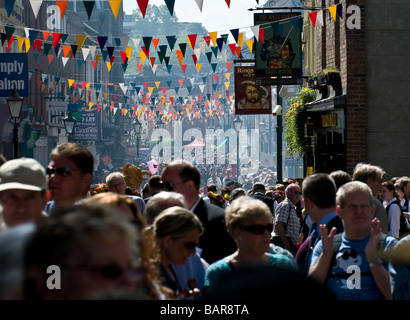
x,y
150,89
249,43
157,83
227,83
98,57
27,44
128,51
109,65
240,39
213,36
228,75
90,105
80,40
143,56
198,67
332,11
70,82
20,41
115,7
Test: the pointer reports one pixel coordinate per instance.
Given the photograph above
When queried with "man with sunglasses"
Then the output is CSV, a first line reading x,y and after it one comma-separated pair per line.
x,y
183,177
352,269
69,176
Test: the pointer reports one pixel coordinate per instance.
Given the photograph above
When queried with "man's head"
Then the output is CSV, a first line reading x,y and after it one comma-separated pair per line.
x,y
371,175
22,191
293,193
154,184
69,173
95,250
258,187
183,177
162,201
253,92
319,194
355,207
116,182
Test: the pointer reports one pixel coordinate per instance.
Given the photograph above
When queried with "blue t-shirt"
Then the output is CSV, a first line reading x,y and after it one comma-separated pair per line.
x,y
221,268
351,257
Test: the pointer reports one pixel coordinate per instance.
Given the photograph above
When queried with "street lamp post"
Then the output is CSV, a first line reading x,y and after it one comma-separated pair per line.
x,y
137,128
15,104
69,122
237,122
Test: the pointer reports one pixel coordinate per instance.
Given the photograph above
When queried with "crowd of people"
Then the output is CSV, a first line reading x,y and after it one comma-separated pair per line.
x,y
190,236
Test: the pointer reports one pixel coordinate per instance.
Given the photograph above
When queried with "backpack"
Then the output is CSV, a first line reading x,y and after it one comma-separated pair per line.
x,y
337,241
404,229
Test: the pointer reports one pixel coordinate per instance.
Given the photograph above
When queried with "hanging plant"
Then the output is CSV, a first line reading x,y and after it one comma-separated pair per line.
x,y
295,120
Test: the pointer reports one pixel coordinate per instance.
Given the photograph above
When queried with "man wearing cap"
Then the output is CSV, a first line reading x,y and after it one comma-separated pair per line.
x,y
22,191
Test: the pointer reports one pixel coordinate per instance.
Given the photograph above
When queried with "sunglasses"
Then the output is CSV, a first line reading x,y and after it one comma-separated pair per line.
x,y
170,186
259,228
190,245
62,171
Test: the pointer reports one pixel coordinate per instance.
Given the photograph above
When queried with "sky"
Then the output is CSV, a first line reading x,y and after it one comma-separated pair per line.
x,y
215,15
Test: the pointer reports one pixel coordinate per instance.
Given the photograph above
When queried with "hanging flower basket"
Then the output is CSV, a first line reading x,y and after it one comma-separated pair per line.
x,y
295,120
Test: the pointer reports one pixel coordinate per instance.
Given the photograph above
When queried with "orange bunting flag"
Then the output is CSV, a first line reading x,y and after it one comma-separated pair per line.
x,y
180,56
62,5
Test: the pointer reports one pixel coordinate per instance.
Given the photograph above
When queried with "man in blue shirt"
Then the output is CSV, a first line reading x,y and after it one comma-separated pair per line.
x,y
354,270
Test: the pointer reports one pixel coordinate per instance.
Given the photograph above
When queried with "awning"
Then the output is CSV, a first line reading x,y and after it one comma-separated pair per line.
x,y
197,143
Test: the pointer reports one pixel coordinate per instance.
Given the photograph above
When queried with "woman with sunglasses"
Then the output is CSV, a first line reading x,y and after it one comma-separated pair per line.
x,y
176,231
250,223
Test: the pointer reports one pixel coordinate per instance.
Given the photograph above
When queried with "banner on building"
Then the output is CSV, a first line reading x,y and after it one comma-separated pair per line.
x,y
57,106
250,97
13,71
279,55
89,127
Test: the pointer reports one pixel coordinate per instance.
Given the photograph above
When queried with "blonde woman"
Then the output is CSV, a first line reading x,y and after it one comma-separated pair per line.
x,y
250,223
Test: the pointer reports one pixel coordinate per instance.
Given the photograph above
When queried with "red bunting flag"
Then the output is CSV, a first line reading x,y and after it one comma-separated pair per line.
x,y
313,16
142,4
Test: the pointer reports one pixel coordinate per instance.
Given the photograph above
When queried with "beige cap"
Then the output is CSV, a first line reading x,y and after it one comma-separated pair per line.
x,y
23,173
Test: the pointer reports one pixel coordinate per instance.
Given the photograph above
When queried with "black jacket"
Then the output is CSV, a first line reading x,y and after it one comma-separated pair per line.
x,y
215,242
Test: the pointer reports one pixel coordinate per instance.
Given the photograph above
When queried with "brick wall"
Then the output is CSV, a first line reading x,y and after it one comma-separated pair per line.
x,y
353,56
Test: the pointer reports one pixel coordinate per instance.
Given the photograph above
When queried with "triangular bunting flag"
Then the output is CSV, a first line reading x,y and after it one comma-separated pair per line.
x,y
35,6
313,16
171,41
62,5
115,7
89,6
142,4
332,11
199,4
170,5
9,4
101,41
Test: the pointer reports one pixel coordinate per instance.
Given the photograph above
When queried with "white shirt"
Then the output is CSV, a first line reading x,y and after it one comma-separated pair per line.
x,y
394,219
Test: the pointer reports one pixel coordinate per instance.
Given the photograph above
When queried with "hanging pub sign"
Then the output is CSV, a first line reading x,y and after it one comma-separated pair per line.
x,y
278,53
250,97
